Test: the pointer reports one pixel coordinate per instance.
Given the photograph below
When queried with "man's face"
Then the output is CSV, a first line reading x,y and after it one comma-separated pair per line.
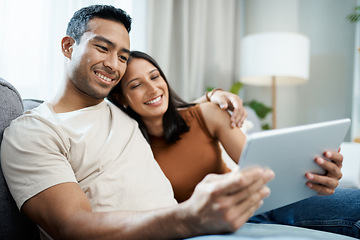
x,y
98,61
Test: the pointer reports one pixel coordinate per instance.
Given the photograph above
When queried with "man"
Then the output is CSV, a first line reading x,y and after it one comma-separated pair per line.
x,y
80,169
84,171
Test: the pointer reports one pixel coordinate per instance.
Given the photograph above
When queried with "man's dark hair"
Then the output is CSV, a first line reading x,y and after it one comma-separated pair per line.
x,y
78,23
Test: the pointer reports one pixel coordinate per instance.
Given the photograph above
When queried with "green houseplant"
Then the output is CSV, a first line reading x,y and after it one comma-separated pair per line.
x,y
355,15
260,109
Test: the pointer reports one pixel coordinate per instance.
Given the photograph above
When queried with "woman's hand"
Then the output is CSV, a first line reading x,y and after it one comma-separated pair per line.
x,y
326,184
229,101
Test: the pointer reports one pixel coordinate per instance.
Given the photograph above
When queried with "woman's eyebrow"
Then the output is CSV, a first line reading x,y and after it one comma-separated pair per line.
x,y
131,81
154,70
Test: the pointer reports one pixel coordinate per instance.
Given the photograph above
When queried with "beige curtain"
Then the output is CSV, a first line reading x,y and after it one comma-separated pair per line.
x,y
195,42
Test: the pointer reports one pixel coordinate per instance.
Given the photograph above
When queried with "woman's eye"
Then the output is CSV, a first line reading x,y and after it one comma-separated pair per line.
x,y
154,77
135,86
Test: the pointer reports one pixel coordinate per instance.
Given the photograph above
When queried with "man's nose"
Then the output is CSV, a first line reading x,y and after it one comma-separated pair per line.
x,y
112,62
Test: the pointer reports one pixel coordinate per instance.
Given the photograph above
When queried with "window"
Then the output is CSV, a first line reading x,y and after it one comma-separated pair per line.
x,y
30,36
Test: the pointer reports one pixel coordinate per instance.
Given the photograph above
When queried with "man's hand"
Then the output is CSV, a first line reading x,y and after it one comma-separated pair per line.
x,y
223,203
325,185
231,102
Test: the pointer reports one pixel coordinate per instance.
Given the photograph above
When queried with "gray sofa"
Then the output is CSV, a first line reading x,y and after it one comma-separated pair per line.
x,y
16,226
13,224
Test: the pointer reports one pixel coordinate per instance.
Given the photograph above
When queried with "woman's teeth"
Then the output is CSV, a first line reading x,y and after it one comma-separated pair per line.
x,y
154,101
103,77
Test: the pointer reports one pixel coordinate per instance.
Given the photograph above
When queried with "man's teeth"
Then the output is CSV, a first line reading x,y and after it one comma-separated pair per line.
x,y
103,77
154,101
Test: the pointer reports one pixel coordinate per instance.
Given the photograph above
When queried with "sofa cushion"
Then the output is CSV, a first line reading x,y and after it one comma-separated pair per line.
x,y
31,103
14,225
11,104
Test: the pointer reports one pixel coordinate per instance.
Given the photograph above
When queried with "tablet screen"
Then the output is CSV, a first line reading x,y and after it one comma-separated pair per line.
x,y
290,153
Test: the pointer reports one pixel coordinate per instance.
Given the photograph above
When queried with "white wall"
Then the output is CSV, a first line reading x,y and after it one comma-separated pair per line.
x,y
328,93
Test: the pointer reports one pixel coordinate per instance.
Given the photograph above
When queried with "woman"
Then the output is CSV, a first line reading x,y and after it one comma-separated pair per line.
x,y
184,137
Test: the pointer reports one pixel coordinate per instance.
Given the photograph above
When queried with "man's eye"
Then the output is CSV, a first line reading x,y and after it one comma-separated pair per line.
x,y
102,48
123,58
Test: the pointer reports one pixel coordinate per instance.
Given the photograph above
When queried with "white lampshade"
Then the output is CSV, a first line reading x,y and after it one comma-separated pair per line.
x,y
282,55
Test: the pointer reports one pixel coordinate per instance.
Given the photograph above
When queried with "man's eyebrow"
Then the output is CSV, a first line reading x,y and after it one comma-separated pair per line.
x,y
103,39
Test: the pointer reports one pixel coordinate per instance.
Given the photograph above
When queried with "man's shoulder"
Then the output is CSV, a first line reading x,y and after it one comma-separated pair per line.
x,y
32,121
118,112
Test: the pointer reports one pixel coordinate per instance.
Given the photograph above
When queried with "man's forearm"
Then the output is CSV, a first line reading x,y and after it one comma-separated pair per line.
x,y
64,217
169,223
220,203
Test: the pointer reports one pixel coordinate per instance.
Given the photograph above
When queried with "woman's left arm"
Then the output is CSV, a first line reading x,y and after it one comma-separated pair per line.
x,y
229,101
217,121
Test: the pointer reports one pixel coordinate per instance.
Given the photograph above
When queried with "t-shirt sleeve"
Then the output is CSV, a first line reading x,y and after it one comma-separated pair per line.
x,y
34,158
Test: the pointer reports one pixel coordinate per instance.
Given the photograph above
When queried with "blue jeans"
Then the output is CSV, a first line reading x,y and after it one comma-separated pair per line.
x,y
338,213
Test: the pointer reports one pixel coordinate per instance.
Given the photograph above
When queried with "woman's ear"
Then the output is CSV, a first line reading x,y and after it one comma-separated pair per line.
x,y
119,100
67,46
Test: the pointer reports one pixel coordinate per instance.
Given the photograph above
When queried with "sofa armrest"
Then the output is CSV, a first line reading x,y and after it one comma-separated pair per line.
x,y
14,225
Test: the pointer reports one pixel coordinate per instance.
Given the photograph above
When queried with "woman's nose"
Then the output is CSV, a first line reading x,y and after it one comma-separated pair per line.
x,y
151,88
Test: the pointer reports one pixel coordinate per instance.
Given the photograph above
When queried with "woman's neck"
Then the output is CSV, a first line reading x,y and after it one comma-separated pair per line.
x,y
154,127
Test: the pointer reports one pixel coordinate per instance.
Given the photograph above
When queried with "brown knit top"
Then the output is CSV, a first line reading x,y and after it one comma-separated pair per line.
x,y
186,162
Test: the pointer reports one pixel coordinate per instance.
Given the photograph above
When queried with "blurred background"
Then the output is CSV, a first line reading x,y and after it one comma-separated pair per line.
x,y
198,44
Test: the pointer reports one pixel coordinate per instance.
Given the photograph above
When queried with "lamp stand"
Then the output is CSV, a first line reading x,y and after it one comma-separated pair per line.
x,y
273,100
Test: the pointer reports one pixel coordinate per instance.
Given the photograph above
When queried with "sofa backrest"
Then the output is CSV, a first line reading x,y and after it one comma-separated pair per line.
x,y
13,224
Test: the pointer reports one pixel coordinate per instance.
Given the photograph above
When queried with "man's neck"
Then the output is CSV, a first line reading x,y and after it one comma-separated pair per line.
x,y
67,101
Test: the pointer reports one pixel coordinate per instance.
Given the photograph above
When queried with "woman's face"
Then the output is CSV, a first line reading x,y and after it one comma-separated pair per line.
x,y
145,91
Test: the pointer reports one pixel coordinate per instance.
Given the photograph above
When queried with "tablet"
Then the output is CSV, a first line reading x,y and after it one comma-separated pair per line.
x,y
290,153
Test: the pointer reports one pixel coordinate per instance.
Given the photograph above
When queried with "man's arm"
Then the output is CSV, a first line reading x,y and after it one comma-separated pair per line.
x,y
229,101
220,203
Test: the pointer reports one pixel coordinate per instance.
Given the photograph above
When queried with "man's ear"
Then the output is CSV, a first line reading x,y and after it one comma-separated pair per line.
x,y
67,46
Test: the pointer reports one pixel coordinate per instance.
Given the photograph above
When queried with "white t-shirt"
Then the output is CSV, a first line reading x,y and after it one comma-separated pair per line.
x,y
99,147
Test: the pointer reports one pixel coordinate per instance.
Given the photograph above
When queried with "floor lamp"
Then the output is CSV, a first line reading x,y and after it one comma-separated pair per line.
x,y
272,59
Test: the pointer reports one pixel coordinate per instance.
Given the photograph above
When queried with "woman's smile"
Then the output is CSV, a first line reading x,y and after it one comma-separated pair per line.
x,y
155,101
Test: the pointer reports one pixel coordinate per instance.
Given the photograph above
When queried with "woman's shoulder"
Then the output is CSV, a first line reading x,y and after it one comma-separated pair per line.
x,y
211,110
205,111
214,117
189,110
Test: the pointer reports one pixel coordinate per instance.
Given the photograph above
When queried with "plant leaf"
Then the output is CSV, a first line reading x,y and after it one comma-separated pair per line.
x,y
260,109
235,88
208,89
355,16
